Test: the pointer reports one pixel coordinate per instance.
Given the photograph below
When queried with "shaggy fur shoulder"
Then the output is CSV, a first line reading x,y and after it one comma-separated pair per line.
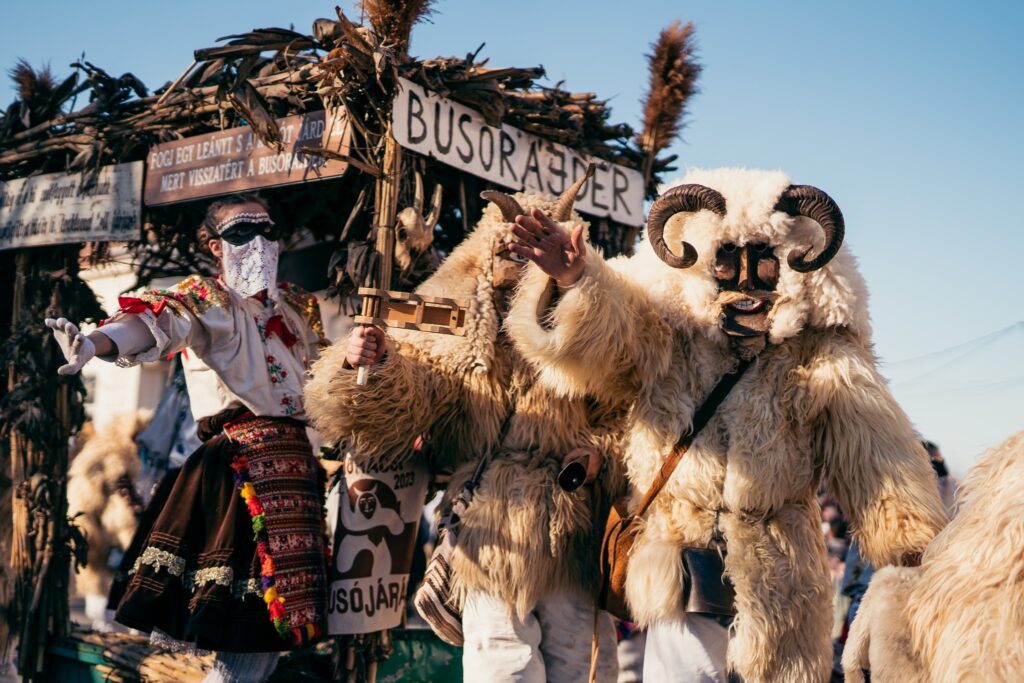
x,y
381,420
426,378
872,458
587,343
966,612
466,274
960,615
419,377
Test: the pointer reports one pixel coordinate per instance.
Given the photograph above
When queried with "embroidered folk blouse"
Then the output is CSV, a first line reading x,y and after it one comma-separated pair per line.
x,y
236,351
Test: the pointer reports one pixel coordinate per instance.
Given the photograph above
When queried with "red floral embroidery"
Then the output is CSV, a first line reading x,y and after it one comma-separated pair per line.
x,y
277,373
276,325
135,306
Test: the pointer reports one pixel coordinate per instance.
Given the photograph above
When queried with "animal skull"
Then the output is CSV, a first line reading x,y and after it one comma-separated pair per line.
x,y
415,232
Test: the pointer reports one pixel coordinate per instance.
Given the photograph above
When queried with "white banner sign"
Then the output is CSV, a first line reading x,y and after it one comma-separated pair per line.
x,y
53,209
378,513
459,136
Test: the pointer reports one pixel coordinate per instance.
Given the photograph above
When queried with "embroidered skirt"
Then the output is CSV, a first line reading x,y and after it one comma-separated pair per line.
x,y
236,558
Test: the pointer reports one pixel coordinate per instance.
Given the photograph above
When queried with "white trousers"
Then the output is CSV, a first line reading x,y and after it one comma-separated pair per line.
x,y
690,649
631,657
551,644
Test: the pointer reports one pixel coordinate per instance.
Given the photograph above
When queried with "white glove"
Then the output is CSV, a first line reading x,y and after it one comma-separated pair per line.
x,y
78,349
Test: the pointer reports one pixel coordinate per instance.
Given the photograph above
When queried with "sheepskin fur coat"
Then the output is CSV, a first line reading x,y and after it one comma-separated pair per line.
x,y
107,461
522,535
812,405
960,615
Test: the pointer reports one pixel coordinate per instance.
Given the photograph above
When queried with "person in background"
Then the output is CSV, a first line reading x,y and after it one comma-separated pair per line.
x,y
523,570
236,560
947,484
103,501
836,531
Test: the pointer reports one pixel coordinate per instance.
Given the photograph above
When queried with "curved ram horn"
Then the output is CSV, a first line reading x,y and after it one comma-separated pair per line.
x,y
507,203
563,206
679,199
810,202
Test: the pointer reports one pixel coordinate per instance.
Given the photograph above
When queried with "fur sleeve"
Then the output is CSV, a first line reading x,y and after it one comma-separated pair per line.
x,y
602,337
874,462
380,421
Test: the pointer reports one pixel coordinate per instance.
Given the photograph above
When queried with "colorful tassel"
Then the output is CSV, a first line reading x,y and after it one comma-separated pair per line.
x,y
275,602
282,628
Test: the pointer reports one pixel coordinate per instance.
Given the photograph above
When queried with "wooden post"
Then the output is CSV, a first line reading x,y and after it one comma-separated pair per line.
x,y
374,647
384,218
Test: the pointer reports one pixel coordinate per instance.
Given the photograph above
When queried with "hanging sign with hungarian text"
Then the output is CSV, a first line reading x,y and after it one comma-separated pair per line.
x,y
457,135
234,160
54,208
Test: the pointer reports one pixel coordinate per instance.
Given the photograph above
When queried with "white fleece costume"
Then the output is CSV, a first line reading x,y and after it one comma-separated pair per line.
x,y
524,565
812,405
960,615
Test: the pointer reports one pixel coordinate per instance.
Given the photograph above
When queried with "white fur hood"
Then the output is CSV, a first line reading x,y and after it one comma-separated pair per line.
x,y
834,296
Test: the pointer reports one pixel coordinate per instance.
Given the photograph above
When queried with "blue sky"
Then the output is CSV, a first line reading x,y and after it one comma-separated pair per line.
x,y
909,114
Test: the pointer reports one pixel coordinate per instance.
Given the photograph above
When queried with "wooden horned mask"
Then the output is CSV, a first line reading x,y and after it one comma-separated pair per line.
x,y
747,274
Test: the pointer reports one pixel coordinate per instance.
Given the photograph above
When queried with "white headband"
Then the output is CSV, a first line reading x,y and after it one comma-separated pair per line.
x,y
244,217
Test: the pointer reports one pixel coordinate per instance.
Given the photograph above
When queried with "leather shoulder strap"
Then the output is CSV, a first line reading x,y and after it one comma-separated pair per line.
x,y
478,473
700,419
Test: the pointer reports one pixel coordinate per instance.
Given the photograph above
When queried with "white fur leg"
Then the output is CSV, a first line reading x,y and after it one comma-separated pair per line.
x,y
654,581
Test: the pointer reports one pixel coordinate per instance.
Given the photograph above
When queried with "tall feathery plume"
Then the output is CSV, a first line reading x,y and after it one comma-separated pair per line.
x,y
394,19
674,72
33,85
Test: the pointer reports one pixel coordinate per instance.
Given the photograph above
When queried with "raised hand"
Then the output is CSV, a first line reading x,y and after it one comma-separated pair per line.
x,y
365,346
76,347
543,241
